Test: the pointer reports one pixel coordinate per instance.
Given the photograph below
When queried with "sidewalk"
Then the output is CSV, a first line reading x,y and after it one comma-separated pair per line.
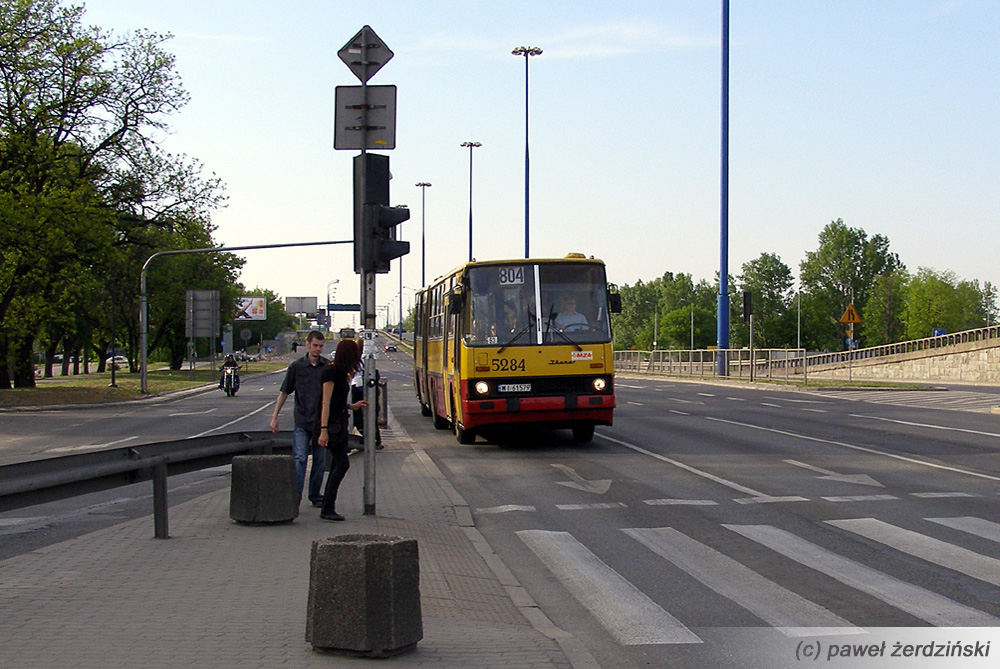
x,y
220,594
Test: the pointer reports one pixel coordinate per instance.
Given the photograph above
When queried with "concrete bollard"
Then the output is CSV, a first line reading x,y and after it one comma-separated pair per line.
x,y
264,489
364,595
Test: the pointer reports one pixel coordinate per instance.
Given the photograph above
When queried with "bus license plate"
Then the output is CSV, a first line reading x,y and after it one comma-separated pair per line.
x,y
514,387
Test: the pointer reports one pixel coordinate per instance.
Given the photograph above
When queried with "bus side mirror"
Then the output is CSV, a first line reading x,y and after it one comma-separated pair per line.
x,y
615,303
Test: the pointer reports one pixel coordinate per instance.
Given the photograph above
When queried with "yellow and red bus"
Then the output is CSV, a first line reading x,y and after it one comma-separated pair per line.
x,y
517,342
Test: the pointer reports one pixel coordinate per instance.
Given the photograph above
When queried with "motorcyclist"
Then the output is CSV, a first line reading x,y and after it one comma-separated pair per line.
x,y
230,361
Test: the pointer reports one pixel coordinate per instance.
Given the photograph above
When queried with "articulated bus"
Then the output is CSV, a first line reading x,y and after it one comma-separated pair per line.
x,y
516,342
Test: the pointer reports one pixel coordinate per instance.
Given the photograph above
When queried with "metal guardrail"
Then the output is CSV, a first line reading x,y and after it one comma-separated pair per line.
x,y
770,363
25,484
783,363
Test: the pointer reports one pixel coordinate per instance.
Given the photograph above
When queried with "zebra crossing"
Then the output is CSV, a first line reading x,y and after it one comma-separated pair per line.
x,y
952,400
632,618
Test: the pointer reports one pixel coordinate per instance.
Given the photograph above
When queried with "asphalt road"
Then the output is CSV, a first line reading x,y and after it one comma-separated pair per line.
x,y
712,525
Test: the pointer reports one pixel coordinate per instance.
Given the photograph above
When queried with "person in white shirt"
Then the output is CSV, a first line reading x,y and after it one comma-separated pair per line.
x,y
569,319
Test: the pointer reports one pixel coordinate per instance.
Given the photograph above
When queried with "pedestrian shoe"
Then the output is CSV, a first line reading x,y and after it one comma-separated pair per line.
x,y
317,502
331,516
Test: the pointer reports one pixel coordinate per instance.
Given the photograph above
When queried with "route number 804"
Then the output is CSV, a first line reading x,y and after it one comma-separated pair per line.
x,y
511,276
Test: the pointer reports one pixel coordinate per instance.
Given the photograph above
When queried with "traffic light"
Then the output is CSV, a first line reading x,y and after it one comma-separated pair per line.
x,y
375,222
380,245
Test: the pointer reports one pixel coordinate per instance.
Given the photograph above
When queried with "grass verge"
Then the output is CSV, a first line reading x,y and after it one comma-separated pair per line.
x,y
95,388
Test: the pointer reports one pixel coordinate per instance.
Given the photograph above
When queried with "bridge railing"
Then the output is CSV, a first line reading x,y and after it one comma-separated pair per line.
x,y
781,363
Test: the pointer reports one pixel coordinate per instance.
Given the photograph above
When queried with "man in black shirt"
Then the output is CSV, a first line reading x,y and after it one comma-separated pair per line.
x,y
303,379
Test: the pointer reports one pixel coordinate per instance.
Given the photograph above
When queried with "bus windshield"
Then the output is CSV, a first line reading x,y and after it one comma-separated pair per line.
x,y
535,304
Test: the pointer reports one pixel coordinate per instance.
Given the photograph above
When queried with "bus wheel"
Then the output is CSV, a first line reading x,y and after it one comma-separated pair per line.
x,y
425,410
583,433
464,436
440,422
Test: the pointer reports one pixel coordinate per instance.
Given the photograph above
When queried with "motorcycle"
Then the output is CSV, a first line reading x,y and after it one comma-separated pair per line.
x,y
230,380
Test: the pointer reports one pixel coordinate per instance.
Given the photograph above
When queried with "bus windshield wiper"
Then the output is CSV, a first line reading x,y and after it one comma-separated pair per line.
x,y
549,328
527,326
566,337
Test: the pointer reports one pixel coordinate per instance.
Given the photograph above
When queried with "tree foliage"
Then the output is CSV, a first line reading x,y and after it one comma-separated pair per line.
x,y
84,183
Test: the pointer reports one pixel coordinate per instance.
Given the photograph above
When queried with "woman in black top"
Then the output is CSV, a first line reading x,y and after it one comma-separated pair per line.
x,y
333,420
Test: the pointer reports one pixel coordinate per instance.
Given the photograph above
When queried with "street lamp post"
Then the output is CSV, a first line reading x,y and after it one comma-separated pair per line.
x,y
400,233
527,52
329,297
423,186
471,146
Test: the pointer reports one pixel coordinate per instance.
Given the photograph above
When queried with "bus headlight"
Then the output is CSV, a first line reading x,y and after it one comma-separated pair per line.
x,y
600,384
482,387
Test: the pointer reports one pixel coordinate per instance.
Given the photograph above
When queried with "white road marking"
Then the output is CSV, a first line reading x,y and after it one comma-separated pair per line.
x,y
924,604
194,413
232,422
855,447
67,449
680,502
860,479
927,548
598,487
977,526
927,425
941,495
589,507
506,508
630,616
861,498
791,614
771,499
688,468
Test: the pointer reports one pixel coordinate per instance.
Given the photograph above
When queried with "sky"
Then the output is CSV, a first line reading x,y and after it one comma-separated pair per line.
x,y
883,114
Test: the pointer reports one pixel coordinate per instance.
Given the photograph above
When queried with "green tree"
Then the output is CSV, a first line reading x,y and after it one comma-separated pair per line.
x,y
884,315
843,269
769,282
80,169
938,300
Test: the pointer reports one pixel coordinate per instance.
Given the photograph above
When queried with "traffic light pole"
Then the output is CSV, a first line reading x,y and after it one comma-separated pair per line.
x,y
370,380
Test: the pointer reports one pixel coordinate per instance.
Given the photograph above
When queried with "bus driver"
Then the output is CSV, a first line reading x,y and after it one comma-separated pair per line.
x,y
569,319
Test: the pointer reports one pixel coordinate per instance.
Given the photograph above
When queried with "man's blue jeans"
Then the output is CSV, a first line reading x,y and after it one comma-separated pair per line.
x,y
300,453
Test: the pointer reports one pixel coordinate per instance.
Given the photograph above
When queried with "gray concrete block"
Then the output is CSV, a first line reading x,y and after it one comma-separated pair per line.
x,y
364,595
264,489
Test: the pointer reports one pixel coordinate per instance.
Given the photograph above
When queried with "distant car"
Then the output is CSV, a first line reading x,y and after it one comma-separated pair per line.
x,y
118,361
390,347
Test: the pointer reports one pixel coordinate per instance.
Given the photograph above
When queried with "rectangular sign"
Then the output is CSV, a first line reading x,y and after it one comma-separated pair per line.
x,y
252,308
301,305
362,122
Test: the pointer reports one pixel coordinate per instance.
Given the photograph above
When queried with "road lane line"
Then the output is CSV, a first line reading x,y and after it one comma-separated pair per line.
x,y
67,449
631,617
927,425
926,548
232,422
924,604
506,508
977,526
688,468
855,447
680,502
790,613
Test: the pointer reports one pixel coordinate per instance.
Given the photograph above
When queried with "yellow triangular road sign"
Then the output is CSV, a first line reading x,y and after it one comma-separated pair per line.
x,y
850,316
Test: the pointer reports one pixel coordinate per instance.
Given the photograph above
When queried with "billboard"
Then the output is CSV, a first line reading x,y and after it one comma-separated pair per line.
x,y
252,308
